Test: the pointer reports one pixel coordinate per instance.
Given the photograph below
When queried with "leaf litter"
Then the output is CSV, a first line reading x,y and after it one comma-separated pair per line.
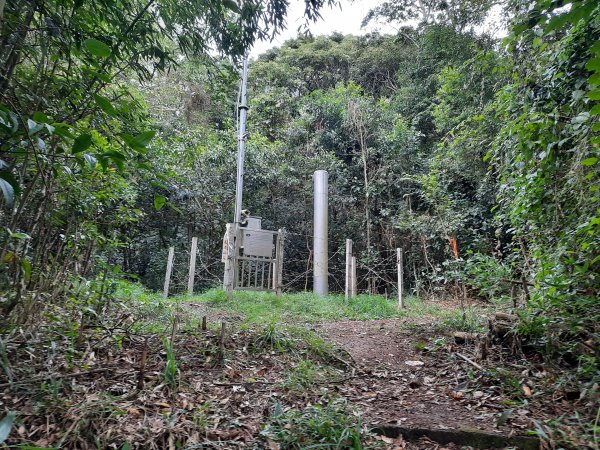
x,y
110,386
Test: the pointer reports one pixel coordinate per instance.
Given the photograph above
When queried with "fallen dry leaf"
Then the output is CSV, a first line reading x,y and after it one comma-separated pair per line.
x,y
457,395
414,363
134,412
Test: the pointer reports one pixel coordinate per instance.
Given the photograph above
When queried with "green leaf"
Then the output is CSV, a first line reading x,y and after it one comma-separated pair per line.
x,y
594,95
231,5
41,117
117,158
594,80
62,130
96,73
26,265
114,155
595,110
6,425
97,48
20,236
593,65
589,161
159,202
145,137
557,22
582,10
144,165
140,141
9,186
105,105
82,143
8,120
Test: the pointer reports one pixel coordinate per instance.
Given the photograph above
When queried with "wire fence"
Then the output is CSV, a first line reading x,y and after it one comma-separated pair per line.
x,y
376,270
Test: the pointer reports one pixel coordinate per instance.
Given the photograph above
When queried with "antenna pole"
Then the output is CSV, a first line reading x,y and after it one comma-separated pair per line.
x,y
243,111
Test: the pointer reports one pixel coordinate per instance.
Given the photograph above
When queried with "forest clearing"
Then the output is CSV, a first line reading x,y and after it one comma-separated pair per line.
x,y
387,236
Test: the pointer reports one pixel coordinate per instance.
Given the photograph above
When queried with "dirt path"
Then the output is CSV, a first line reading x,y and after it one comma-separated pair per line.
x,y
404,385
407,373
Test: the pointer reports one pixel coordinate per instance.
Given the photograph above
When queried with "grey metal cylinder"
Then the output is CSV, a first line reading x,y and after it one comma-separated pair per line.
x,y
320,230
243,111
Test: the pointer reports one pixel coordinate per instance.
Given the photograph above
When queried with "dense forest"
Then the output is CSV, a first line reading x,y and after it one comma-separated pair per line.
x,y
478,156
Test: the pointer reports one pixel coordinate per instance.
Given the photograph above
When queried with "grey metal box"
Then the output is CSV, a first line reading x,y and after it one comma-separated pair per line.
x,y
258,243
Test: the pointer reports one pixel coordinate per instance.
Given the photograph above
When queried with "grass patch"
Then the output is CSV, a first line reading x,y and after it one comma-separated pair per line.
x,y
333,426
273,337
306,375
155,313
471,320
264,307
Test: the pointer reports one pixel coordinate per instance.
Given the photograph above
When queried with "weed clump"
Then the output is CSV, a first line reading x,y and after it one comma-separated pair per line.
x,y
273,337
333,426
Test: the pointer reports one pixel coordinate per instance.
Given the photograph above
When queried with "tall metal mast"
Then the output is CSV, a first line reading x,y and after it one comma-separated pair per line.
x,y
253,257
243,111
232,234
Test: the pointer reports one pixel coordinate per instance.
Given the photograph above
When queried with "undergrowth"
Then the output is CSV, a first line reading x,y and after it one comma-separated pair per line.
x,y
333,426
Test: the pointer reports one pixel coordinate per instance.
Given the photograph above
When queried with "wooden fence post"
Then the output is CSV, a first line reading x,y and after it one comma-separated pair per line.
x,y
399,264
279,255
227,257
169,270
192,272
222,344
354,279
348,287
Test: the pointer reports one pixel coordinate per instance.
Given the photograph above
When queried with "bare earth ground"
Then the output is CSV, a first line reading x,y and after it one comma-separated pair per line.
x,y
412,377
415,388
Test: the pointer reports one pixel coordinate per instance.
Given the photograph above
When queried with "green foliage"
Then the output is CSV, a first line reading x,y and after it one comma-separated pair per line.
x,y
572,431
171,372
78,146
468,319
490,277
333,426
460,14
545,157
271,337
116,133
152,309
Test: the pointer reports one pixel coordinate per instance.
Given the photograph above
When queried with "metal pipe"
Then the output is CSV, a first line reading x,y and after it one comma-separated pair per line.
x,y
321,272
348,287
231,275
243,111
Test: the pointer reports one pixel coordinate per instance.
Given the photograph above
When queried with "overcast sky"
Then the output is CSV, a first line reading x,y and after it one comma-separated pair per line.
x,y
346,21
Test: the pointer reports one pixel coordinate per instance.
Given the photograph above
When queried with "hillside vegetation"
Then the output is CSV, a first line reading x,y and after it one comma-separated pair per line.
x,y
478,156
